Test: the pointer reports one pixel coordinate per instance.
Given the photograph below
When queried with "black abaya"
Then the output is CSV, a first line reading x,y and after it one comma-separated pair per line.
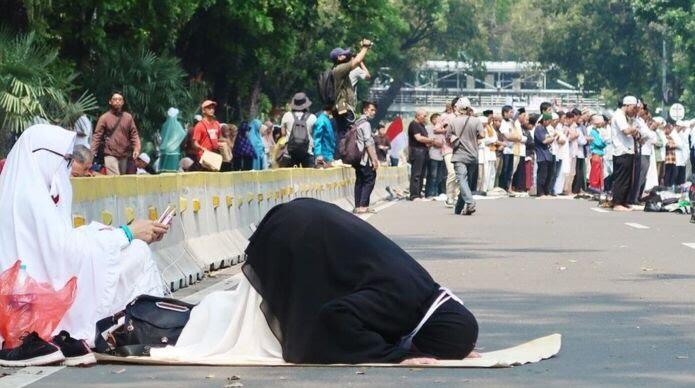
x,y
335,290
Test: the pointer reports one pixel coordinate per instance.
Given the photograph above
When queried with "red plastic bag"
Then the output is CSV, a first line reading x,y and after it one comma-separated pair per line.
x,y
32,307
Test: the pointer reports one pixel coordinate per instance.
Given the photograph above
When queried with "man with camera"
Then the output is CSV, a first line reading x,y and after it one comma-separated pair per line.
x,y
345,100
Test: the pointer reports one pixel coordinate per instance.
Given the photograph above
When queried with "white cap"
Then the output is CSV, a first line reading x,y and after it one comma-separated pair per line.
x,y
597,119
198,118
630,100
144,157
555,116
463,103
659,120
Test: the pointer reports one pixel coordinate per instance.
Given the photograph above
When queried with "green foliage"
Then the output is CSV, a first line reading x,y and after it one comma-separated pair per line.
x,y
673,21
26,82
150,84
250,55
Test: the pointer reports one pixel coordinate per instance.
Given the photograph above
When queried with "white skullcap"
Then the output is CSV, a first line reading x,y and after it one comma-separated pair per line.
x,y
630,100
555,116
463,103
144,157
597,119
659,120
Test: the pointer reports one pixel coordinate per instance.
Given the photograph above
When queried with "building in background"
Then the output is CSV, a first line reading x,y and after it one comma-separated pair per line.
x,y
490,86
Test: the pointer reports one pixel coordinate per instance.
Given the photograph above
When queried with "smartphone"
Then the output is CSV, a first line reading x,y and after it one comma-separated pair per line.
x,y
167,216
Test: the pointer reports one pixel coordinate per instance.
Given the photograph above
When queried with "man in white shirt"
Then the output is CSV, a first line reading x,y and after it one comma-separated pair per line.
x,y
506,129
683,154
647,140
622,132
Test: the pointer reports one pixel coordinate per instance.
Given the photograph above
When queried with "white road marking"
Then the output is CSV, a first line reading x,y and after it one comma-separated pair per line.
x,y
28,375
636,225
599,210
378,209
689,245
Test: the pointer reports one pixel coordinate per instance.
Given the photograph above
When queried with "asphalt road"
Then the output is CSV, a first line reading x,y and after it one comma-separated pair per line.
x,y
621,295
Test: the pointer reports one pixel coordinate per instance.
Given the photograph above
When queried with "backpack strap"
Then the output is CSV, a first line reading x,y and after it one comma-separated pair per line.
x,y
458,135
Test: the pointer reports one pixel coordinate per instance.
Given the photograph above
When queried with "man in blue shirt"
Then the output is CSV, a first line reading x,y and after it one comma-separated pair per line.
x,y
324,139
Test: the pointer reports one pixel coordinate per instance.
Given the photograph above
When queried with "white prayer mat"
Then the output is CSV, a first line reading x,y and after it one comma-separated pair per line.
x,y
529,352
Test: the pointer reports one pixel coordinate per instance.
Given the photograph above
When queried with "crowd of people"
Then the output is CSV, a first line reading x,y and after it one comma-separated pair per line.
x,y
556,152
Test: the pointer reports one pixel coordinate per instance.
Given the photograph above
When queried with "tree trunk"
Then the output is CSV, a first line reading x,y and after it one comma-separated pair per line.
x,y
387,99
255,99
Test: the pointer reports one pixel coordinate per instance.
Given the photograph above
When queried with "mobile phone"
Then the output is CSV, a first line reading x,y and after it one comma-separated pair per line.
x,y
167,216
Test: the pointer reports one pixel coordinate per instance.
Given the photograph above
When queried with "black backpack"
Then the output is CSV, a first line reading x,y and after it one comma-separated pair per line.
x,y
326,84
347,149
298,143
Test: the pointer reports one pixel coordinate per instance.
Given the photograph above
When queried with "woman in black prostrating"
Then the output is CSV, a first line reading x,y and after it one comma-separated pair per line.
x,y
336,290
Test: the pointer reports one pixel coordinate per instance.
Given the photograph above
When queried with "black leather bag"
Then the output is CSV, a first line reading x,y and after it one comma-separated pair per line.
x,y
146,322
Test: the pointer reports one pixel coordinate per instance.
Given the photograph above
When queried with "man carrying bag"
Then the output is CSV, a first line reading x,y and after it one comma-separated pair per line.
x,y
206,135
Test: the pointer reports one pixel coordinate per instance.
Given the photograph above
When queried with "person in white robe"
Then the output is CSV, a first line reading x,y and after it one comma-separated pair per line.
x,y
111,267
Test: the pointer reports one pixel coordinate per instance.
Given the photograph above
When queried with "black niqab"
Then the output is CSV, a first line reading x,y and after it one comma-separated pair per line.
x,y
336,290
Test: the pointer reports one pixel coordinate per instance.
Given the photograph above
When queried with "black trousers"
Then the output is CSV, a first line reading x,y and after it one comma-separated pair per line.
x,y
519,180
306,161
680,175
622,178
365,177
544,177
418,167
507,171
579,182
669,175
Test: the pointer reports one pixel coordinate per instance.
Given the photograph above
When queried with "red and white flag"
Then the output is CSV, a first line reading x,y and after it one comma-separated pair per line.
x,y
397,137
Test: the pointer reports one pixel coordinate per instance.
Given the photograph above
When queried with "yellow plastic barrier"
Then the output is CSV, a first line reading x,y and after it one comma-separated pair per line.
x,y
216,213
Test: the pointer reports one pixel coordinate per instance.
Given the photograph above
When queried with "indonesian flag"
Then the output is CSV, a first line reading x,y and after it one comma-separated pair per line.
x,y
397,137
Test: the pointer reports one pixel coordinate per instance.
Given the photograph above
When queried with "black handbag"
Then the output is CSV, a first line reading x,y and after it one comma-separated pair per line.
x,y
146,322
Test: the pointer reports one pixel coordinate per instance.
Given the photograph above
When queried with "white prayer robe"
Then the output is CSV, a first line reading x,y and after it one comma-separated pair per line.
x,y
34,228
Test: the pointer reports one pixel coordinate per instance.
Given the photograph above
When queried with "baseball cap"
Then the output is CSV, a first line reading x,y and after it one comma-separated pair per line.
x,y
207,103
338,51
463,103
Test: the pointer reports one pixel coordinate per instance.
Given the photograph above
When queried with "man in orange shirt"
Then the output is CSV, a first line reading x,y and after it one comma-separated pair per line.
x,y
206,133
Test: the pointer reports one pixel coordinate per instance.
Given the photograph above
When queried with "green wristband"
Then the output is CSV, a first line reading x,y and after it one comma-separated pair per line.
x,y
128,233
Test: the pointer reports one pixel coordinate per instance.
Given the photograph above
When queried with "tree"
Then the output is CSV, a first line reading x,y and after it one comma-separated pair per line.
x,y
34,85
672,21
149,82
431,29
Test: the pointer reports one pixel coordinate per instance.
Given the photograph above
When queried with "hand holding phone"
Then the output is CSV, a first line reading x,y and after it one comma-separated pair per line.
x,y
167,216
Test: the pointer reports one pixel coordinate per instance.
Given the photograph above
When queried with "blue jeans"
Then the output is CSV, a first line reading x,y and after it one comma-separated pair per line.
x,y
463,173
436,174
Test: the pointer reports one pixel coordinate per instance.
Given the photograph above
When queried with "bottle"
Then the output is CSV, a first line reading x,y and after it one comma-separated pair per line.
x,y
21,276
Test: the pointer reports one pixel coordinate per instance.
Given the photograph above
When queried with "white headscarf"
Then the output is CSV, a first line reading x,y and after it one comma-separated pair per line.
x,y
36,227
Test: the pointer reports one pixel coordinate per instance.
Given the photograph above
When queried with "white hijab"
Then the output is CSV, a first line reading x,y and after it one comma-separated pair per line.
x,y
36,227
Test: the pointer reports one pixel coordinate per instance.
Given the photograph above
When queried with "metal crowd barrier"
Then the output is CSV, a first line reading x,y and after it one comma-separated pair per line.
x,y
216,212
